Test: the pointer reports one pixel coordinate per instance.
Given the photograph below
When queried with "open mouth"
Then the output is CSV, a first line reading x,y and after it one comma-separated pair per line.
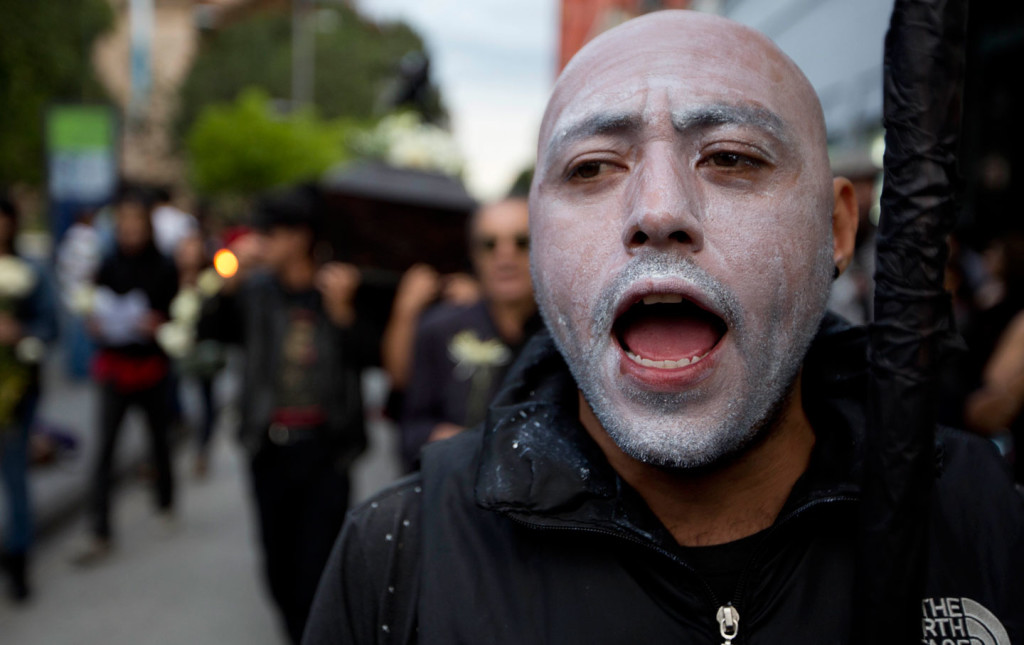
x,y
667,331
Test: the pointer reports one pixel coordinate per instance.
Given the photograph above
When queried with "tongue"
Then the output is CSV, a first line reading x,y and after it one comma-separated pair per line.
x,y
670,338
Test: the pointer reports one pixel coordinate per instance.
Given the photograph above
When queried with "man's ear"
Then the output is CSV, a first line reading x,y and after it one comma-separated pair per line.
x,y
844,223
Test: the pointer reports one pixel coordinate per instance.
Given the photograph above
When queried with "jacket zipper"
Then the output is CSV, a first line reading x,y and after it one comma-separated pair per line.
x,y
728,623
727,616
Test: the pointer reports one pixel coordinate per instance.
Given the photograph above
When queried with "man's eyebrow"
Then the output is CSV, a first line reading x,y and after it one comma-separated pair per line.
x,y
704,117
721,115
594,126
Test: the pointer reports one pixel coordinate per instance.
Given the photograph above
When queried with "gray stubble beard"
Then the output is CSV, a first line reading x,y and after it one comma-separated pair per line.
x,y
657,428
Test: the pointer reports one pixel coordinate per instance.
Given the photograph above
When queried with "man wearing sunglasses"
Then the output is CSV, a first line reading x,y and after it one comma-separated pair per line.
x,y
461,353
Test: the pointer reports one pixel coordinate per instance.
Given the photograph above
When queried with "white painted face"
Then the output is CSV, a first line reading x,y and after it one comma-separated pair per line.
x,y
682,163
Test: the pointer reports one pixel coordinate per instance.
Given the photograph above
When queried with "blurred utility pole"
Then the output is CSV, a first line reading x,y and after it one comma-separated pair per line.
x,y
141,21
303,52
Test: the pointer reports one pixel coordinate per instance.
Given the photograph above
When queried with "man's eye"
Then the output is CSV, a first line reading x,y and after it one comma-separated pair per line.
x,y
586,170
733,160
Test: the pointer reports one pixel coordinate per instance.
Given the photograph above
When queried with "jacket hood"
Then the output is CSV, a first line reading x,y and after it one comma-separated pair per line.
x,y
538,462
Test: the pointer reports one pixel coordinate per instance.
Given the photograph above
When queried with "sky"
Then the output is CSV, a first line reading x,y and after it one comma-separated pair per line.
x,y
495,62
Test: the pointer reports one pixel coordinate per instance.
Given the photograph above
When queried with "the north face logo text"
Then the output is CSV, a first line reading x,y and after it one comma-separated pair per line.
x,y
959,621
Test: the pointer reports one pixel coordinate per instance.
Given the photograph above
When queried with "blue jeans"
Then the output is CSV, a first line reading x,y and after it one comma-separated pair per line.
x,y
14,471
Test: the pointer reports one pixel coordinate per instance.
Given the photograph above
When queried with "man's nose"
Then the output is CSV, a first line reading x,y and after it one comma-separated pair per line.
x,y
663,209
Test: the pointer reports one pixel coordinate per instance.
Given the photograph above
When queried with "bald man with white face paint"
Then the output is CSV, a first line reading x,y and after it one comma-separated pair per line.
x,y
707,228
675,459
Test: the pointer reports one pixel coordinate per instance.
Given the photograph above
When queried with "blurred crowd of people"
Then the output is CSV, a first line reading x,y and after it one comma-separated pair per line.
x,y
144,309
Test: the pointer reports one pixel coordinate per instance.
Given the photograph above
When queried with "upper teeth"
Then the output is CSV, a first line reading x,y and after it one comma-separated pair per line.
x,y
655,298
668,365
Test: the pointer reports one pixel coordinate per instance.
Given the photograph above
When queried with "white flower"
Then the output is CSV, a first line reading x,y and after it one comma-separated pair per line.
x,y
209,283
30,350
17,278
186,306
82,299
469,352
175,339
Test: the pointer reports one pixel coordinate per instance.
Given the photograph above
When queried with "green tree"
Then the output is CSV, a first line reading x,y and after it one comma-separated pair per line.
x,y
243,147
356,62
44,58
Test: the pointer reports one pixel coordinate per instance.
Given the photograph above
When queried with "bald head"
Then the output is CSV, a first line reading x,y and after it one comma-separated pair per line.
x,y
734,72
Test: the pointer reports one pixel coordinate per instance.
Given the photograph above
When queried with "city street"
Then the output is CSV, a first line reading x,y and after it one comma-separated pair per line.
x,y
197,581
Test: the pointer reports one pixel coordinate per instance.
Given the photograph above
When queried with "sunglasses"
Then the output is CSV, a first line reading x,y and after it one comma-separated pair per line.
x,y
490,243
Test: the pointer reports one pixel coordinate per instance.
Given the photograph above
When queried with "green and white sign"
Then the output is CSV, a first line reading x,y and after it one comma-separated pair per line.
x,y
81,143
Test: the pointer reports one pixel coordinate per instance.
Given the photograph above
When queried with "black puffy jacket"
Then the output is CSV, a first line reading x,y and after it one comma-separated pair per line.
x,y
521,533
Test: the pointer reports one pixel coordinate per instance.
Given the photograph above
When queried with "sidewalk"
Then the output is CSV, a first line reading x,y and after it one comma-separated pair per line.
x,y
60,490
199,583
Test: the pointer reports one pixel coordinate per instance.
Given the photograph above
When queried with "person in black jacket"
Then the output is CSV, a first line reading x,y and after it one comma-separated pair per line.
x,y
301,408
462,352
134,289
677,458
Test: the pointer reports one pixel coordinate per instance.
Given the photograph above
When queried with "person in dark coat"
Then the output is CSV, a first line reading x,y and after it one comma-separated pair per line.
x,y
461,352
301,406
28,319
678,457
134,289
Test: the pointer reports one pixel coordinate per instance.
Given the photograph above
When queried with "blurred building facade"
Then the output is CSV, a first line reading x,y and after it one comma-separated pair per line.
x,y
169,32
148,152
584,19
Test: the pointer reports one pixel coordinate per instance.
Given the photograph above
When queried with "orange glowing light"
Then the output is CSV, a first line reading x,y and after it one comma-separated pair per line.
x,y
225,263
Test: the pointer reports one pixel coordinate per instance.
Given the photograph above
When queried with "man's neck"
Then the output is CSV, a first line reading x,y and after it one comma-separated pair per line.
x,y
298,275
510,317
725,504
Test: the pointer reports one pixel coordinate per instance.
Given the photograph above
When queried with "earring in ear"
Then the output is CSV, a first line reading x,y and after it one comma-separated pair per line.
x,y
835,272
